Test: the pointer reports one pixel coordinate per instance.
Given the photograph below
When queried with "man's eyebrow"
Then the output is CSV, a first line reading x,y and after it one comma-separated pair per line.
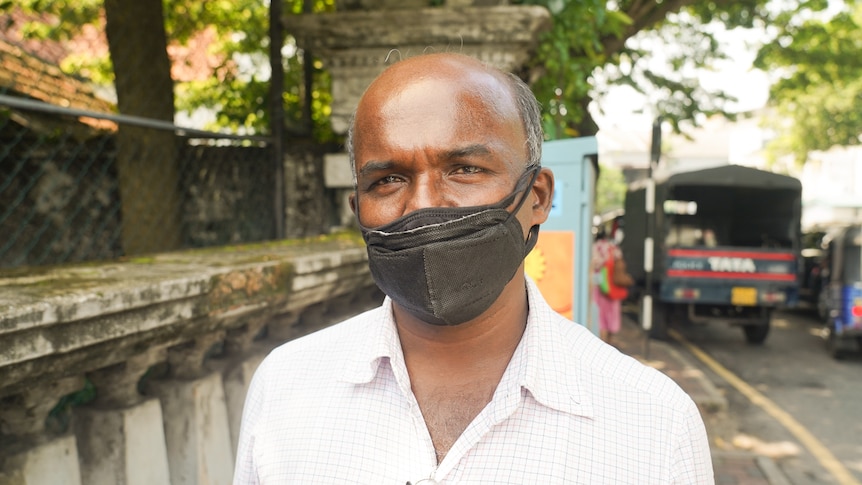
x,y
475,149
375,167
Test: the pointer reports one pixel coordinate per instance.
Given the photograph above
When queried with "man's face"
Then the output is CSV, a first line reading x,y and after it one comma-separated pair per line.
x,y
426,136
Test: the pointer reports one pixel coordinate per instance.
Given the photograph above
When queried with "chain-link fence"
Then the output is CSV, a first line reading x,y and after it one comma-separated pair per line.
x,y
61,198
84,177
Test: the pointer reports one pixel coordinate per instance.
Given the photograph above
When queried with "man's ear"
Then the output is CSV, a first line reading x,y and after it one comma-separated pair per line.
x,y
351,200
542,195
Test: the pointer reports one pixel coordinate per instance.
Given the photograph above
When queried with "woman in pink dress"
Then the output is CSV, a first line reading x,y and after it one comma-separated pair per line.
x,y
610,313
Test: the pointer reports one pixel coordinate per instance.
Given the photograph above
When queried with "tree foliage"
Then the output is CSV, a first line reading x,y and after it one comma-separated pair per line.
x,y
818,96
610,189
656,48
237,87
595,44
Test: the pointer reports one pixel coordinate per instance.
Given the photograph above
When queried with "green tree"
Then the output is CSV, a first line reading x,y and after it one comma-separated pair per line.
x,y
610,189
146,158
138,33
236,89
818,97
594,44
590,48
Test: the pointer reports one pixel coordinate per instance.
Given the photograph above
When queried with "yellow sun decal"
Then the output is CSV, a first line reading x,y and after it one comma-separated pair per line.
x,y
535,264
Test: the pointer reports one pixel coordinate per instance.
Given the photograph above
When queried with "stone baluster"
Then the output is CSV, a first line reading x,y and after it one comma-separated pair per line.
x,y
243,356
28,454
197,432
121,438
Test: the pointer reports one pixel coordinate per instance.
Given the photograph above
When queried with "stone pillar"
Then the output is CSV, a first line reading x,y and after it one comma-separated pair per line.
x,y
121,439
356,44
197,432
236,382
239,344
28,455
54,461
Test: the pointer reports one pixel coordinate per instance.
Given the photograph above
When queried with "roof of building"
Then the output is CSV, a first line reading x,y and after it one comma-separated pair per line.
x,y
28,75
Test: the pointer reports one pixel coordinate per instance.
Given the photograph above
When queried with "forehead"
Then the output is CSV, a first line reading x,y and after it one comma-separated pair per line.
x,y
437,100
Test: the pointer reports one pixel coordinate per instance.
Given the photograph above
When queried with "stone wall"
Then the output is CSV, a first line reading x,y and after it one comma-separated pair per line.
x,y
228,194
58,197
135,371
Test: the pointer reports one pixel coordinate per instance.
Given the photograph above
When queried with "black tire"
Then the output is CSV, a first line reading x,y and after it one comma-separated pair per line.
x,y
835,345
756,334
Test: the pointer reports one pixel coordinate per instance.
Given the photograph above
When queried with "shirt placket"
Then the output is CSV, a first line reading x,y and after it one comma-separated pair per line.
x,y
506,400
426,469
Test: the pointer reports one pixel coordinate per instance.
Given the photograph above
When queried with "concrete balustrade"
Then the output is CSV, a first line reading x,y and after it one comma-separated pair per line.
x,y
168,343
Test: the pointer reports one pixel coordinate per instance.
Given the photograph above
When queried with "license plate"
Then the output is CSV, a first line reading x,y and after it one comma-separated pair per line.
x,y
743,296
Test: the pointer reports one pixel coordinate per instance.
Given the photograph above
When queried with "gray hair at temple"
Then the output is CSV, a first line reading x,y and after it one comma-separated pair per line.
x,y
528,108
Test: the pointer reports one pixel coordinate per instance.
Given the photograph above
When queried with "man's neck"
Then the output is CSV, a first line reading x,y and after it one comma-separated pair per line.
x,y
455,370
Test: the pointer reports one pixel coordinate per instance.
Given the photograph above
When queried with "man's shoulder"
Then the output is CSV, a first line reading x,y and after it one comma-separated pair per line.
x,y
603,368
627,372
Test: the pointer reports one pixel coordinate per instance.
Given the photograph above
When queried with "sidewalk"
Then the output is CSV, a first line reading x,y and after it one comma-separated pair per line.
x,y
731,467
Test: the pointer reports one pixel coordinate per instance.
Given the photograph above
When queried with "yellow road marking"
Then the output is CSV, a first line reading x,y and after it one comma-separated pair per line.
x,y
820,452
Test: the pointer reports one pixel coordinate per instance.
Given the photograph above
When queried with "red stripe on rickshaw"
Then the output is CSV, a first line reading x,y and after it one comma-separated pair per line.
x,y
699,253
678,273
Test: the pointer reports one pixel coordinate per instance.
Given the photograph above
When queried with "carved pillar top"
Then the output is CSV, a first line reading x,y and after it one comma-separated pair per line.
x,y
355,46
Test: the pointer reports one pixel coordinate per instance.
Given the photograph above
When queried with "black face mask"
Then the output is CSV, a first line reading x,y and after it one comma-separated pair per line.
x,y
448,265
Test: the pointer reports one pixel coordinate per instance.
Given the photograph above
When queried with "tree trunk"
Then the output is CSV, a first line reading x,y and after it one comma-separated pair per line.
x,y
147,162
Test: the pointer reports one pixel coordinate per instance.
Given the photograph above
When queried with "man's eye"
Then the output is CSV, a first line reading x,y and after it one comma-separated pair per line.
x,y
468,169
384,181
389,179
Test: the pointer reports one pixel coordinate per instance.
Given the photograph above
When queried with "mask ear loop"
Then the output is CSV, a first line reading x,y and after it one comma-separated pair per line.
x,y
533,235
529,186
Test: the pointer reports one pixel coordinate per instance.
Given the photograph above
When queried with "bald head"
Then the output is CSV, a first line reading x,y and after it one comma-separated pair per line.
x,y
446,87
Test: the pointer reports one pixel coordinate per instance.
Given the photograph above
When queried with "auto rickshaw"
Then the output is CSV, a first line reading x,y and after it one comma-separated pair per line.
x,y
840,302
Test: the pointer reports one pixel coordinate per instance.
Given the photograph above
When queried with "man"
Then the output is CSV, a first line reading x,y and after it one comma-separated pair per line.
x,y
464,374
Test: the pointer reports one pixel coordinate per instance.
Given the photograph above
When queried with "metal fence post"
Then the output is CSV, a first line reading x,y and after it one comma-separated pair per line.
x,y
276,36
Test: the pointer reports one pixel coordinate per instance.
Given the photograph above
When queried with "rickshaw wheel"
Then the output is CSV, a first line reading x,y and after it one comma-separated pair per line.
x,y
835,344
756,334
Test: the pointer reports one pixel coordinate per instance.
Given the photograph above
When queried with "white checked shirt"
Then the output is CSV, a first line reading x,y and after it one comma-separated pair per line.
x,y
336,407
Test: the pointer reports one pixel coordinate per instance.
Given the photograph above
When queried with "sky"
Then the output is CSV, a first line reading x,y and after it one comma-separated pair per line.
x,y
624,107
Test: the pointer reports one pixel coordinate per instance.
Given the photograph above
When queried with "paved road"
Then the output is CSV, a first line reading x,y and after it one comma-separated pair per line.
x,y
794,371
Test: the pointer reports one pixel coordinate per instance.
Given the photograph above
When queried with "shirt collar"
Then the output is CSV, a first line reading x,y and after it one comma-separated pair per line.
x,y
544,363
379,343
552,369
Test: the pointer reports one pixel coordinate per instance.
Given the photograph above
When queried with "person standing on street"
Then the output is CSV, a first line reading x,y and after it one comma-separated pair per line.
x,y
464,374
609,283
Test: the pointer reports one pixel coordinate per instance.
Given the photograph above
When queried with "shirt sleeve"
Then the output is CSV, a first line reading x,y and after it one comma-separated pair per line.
x,y
692,461
245,471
